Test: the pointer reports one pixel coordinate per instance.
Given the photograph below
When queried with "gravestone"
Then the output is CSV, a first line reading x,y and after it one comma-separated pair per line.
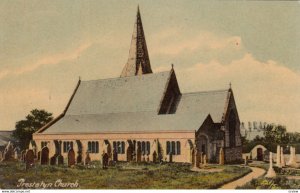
x,y
104,160
148,159
53,160
282,157
291,156
8,153
29,158
79,158
16,155
60,160
293,160
271,173
87,160
39,155
246,161
221,156
71,158
154,156
170,157
195,157
45,156
22,158
204,160
278,160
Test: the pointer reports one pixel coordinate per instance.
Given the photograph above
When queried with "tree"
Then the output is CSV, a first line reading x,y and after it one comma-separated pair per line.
x,y
25,128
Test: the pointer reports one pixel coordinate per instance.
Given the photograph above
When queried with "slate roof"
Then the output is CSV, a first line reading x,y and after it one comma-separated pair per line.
x,y
206,102
119,95
131,104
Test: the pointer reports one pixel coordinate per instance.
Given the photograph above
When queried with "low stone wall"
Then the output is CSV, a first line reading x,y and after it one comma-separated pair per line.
x,y
233,154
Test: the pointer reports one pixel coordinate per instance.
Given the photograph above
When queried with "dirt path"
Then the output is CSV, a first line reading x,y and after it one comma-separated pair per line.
x,y
256,172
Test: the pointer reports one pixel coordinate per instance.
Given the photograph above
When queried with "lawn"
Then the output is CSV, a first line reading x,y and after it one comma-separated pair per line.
x,y
121,176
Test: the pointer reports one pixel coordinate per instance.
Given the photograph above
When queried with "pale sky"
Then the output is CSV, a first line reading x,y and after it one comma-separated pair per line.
x,y
46,45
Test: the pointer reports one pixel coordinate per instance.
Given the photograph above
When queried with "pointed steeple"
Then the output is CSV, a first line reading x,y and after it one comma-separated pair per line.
x,y
138,59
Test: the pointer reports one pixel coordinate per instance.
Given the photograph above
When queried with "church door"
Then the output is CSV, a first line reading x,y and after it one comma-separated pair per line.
x,y
259,154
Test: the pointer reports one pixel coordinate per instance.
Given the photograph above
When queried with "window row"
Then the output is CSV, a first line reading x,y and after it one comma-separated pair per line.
x,y
119,147
93,147
173,147
144,147
67,145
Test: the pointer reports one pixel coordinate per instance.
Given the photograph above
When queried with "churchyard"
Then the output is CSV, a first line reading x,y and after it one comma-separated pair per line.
x,y
120,176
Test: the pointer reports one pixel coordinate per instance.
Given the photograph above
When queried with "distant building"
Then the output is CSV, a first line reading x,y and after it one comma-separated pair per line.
x,y
252,130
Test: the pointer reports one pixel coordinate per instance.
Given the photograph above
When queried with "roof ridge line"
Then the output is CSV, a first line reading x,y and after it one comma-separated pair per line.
x,y
126,77
204,92
113,113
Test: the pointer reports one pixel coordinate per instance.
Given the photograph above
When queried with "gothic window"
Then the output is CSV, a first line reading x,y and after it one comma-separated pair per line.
x,y
173,147
123,147
232,126
97,147
148,148
168,147
143,148
119,147
67,145
178,148
93,147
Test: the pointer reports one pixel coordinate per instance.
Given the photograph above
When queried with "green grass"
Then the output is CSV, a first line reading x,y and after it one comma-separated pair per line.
x,y
280,182
121,176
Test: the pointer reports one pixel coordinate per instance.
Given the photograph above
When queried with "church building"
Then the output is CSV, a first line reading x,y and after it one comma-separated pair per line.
x,y
142,116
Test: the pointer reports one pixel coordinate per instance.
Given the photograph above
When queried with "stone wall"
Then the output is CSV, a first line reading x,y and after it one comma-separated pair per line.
x,y
233,154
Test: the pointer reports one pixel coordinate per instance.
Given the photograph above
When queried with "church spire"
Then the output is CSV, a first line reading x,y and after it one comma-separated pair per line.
x,y
138,53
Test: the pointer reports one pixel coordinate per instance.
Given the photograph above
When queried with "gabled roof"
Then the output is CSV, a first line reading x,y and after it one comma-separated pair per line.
x,y
99,107
120,95
207,102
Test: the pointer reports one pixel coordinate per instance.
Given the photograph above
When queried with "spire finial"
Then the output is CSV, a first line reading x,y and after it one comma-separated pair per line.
x,y
172,66
79,78
230,85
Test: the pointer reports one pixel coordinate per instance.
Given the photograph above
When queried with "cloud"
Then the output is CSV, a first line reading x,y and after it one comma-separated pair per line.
x,y
264,91
47,60
167,42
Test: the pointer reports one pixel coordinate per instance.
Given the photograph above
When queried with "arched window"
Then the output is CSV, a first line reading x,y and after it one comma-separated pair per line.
x,y
148,148
232,126
173,148
168,147
97,147
178,148
123,147
143,147
89,146
119,147
93,146
115,145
